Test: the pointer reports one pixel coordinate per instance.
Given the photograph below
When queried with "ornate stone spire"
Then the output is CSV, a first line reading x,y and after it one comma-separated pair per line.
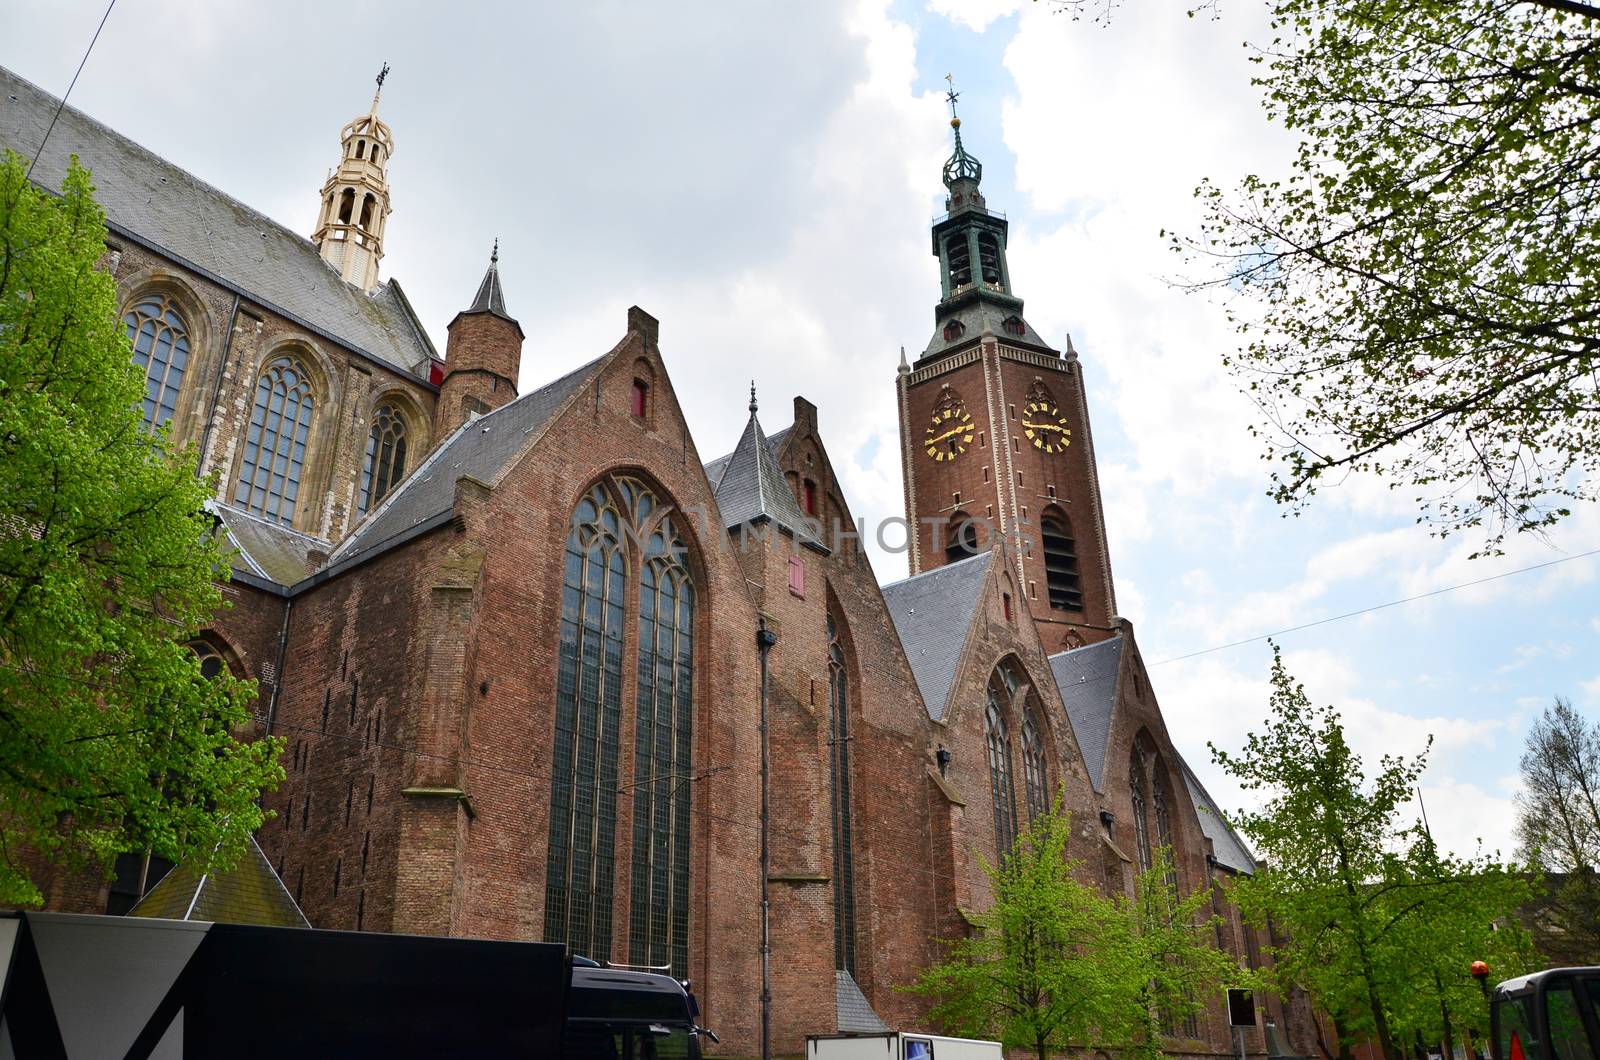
x,y
355,199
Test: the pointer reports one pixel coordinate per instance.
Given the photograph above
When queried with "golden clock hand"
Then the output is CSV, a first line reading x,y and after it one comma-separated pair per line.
x,y
1043,426
947,434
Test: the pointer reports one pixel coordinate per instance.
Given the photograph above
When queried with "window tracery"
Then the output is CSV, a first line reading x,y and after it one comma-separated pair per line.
x,y
161,347
275,442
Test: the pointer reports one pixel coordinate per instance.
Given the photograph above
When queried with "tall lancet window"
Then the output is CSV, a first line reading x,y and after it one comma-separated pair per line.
x,y
275,444
1139,789
994,731
579,868
1158,796
386,456
844,902
662,764
1033,768
161,347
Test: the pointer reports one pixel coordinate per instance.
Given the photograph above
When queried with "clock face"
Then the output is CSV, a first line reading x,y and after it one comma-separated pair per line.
x,y
1045,426
951,431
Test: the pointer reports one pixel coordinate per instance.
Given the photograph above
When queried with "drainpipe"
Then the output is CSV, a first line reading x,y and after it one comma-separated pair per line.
x,y
765,639
222,369
277,683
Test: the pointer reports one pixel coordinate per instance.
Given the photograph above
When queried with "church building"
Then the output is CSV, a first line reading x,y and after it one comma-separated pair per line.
x,y
518,644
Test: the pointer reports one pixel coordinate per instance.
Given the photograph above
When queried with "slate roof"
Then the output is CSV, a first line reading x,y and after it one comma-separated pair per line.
x,y
750,487
977,316
199,226
854,1011
932,613
1087,678
716,468
1226,845
248,893
482,447
267,550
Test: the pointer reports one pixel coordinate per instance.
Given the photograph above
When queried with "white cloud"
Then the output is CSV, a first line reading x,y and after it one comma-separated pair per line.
x,y
975,14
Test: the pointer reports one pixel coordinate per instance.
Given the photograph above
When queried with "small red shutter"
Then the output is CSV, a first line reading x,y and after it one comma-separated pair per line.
x,y
638,398
797,576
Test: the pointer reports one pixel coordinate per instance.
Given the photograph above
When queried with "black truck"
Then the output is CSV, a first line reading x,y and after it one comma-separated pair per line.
x,y
127,987
1550,1015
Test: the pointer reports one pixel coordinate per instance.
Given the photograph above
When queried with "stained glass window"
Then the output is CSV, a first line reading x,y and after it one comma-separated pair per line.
x,y
386,456
275,444
844,903
1036,779
1141,827
1005,804
161,347
583,786
662,762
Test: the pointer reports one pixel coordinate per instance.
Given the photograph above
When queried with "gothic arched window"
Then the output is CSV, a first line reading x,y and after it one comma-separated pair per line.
x,y
1158,797
662,764
1064,586
583,785
962,540
275,444
844,907
386,456
1137,785
1005,803
161,347
1035,777
212,665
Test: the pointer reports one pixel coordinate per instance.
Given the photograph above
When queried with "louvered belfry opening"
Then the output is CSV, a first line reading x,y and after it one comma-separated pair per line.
x,y
960,261
1060,561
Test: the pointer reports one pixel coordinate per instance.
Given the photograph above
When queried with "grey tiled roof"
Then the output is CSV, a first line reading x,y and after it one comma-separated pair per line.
x,y
716,468
248,893
855,1012
1228,848
191,221
1087,678
481,448
268,550
975,317
750,487
932,612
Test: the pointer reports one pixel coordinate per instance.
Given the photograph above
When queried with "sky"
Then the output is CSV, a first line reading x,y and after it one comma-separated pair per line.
x,y
761,177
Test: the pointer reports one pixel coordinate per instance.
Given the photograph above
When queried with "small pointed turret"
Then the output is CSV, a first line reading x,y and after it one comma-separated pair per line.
x,y
483,355
752,489
355,199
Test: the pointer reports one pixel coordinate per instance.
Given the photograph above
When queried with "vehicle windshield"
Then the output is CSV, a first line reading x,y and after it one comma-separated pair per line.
x,y
1514,1028
586,1040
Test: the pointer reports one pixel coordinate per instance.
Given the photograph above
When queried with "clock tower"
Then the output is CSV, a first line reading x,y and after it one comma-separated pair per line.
x,y
994,431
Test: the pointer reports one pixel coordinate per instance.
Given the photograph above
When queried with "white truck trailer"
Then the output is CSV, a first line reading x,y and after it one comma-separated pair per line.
x,y
897,1045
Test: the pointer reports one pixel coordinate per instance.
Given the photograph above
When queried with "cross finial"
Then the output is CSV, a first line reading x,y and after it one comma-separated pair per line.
x,y
383,74
752,397
494,255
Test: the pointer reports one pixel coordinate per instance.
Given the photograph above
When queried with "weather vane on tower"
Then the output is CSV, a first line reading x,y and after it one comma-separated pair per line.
x,y
383,74
952,96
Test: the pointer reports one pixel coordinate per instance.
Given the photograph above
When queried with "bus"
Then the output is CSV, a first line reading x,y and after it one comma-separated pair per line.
x,y
1550,1015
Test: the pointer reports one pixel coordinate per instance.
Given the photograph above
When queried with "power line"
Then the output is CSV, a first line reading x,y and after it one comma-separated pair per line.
x,y
63,104
1380,607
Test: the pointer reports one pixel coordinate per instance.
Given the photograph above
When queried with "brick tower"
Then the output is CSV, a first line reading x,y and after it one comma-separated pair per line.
x,y
482,356
994,430
355,199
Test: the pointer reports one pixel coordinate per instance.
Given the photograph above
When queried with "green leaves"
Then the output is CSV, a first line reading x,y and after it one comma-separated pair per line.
x,y
1054,963
1430,273
1377,925
109,738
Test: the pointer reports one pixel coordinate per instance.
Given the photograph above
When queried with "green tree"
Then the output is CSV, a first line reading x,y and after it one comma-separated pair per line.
x,y
1054,963
1171,955
110,741
1377,926
1558,827
1424,285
